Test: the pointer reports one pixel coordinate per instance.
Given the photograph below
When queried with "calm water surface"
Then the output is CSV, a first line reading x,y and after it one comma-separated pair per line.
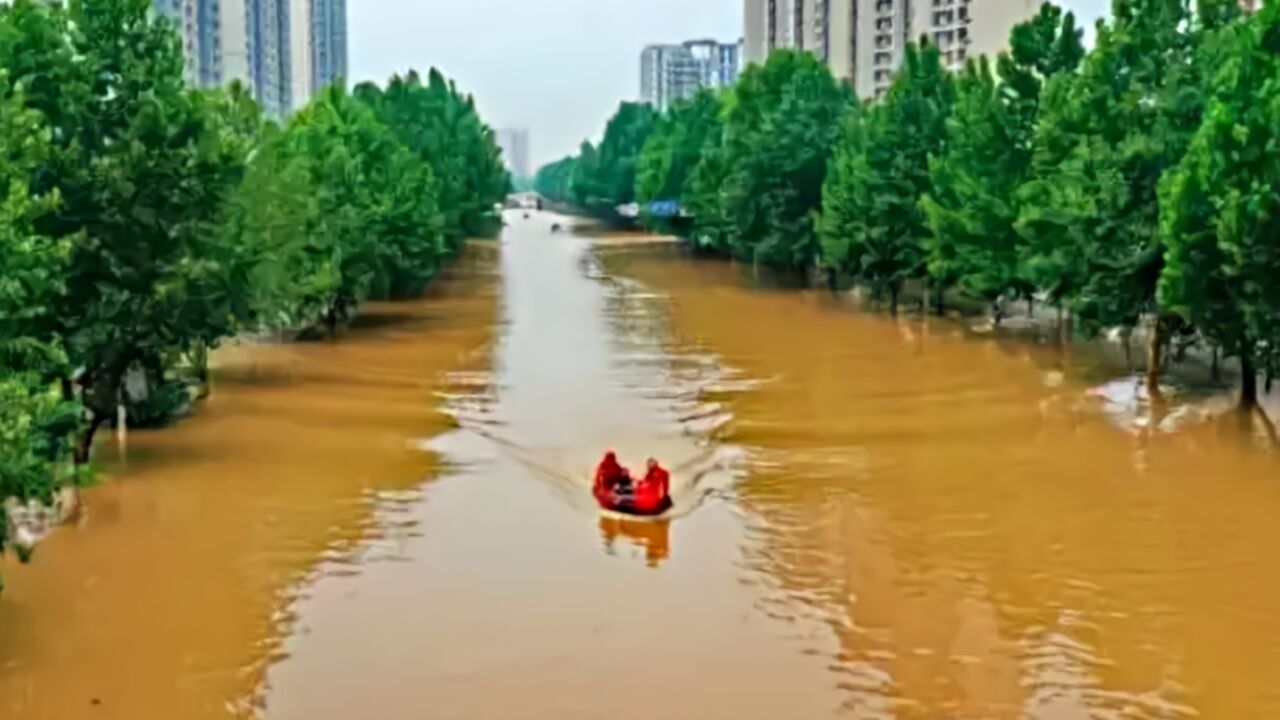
x,y
875,519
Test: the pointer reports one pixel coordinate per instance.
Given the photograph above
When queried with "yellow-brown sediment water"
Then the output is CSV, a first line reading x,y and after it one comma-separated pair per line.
x,y
875,518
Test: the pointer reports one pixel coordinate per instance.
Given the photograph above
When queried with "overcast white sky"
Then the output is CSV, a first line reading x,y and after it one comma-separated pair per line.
x,y
556,67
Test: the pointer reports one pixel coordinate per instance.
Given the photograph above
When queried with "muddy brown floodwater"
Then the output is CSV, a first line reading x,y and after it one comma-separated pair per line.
x,y
874,519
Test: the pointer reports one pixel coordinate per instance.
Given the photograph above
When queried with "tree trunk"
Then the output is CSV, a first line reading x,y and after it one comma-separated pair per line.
x,y
1031,307
331,322
893,300
941,306
1155,346
997,311
1062,325
1248,381
200,361
1126,337
85,447
1215,370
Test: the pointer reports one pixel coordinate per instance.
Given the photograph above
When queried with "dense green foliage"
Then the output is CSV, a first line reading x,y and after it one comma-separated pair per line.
x,y
781,121
972,205
1127,185
604,176
600,178
442,127
873,226
664,168
143,222
555,181
1219,213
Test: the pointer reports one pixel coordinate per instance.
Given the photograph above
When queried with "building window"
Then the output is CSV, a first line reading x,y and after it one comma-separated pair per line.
x,y
884,58
884,23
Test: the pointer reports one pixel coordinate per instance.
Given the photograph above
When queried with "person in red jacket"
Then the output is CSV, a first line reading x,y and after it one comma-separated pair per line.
x,y
653,491
610,477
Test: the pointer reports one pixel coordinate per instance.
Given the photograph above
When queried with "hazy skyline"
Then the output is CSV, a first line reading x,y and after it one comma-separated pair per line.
x,y
535,64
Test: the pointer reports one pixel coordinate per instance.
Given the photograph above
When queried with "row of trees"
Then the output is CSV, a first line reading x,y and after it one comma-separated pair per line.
x,y
143,222
1130,185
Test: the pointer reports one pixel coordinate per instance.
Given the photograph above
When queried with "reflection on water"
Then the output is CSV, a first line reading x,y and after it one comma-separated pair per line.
x,y
874,518
167,599
976,528
520,598
652,537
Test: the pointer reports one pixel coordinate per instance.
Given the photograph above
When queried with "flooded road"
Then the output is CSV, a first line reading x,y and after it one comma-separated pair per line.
x,y
874,519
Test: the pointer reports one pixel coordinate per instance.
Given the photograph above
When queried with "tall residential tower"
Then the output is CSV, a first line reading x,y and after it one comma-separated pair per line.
x,y
515,151
863,40
282,50
669,73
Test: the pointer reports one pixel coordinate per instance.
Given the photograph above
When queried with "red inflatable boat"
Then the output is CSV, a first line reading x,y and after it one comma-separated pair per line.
x,y
625,503
615,490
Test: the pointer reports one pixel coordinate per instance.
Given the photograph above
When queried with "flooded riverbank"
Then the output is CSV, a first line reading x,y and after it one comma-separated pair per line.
x,y
875,518
167,598
977,531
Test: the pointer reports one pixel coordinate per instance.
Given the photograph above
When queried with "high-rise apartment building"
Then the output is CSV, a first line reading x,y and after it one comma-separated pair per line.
x,y
669,73
864,40
328,42
515,150
282,50
212,42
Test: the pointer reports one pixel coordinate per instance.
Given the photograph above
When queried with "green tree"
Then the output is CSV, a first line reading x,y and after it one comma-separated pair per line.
x,y
780,123
441,125
678,142
376,211
705,202
36,420
1220,216
140,173
972,208
605,176
1107,136
554,181
873,226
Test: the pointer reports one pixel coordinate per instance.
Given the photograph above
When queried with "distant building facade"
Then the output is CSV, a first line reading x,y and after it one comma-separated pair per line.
x,y
282,50
863,41
515,150
669,73
328,42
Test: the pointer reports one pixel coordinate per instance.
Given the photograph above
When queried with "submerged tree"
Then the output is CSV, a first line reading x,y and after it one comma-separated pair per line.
x,y
554,181
375,202
1220,215
973,207
605,176
1107,136
442,126
141,171
873,226
37,420
780,123
681,138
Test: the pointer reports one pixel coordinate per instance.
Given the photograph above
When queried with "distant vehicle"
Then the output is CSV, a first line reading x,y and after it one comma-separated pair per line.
x,y
526,216
555,227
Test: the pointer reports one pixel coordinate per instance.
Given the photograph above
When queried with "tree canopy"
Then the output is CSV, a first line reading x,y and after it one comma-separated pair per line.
x,y
143,222
1124,184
